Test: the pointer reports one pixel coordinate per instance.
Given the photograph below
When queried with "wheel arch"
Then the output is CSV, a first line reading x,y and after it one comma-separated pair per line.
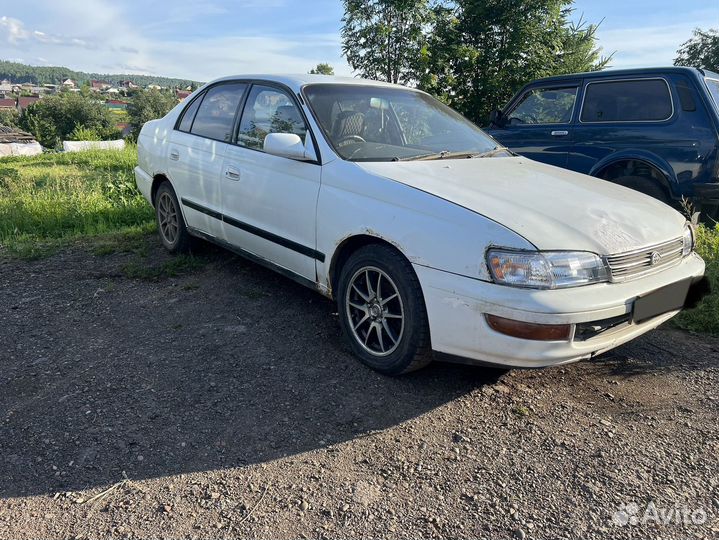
x,y
156,181
637,164
347,247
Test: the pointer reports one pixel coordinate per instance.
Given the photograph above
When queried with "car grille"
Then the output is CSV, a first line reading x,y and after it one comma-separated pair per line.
x,y
634,263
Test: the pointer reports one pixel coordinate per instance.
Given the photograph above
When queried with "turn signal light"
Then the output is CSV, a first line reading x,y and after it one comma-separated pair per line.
x,y
525,330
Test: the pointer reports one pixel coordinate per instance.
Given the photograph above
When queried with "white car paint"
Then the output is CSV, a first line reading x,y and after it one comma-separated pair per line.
x,y
442,215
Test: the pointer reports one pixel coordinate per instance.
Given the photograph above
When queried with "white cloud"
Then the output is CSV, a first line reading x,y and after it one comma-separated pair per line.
x,y
13,29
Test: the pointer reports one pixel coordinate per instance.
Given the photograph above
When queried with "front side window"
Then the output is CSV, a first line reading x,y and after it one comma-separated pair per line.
x,y
646,100
216,114
268,110
375,123
544,106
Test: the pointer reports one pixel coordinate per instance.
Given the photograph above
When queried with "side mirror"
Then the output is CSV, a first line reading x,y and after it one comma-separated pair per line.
x,y
289,145
496,119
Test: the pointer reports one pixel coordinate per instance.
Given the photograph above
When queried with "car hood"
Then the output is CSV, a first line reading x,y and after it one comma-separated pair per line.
x,y
552,208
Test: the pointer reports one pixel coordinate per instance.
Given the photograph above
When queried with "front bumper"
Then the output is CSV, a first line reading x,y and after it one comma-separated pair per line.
x,y
456,308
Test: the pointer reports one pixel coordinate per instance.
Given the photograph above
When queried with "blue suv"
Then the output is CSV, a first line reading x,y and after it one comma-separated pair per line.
x,y
654,130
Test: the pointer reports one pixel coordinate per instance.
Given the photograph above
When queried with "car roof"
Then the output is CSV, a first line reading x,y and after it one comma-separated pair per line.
x,y
628,72
297,81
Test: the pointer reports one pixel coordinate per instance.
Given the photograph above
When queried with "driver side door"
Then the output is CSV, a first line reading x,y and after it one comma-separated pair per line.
x,y
539,124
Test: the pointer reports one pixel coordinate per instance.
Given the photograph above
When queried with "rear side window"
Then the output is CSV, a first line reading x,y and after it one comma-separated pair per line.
x,y
544,106
646,100
216,114
188,115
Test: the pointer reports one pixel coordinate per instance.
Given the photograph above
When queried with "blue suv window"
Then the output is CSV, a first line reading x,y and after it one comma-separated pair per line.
x,y
544,106
645,100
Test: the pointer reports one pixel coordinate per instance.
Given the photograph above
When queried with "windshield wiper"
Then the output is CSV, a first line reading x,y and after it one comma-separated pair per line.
x,y
446,154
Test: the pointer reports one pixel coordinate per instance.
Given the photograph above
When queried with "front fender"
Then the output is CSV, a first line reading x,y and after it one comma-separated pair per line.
x,y
427,230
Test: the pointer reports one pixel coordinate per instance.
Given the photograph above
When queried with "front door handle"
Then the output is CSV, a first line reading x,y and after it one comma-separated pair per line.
x,y
560,133
174,155
232,173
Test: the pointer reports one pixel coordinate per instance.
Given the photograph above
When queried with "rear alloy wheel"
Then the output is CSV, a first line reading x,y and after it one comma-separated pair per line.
x,y
382,311
170,223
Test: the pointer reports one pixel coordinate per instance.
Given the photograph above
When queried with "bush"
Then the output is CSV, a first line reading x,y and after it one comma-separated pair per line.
x,y
147,105
705,317
9,117
84,134
54,118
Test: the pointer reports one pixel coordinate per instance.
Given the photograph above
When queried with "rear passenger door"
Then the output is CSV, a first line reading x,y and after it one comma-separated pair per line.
x,y
623,114
539,124
196,151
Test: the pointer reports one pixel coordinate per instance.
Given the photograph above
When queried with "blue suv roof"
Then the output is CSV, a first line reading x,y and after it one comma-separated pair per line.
x,y
637,71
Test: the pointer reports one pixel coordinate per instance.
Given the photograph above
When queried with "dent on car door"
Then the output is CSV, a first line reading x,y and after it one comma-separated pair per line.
x,y
269,201
539,124
197,148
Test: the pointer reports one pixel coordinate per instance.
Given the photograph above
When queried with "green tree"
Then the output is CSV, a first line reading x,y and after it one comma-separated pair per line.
x,y
384,39
701,51
54,118
482,51
322,69
9,118
147,105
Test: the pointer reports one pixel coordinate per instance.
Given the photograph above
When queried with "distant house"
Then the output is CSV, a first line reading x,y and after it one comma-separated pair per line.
x,y
154,87
7,103
5,88
116,104
68,83
99,86
128,84
182,94
112,91
24,102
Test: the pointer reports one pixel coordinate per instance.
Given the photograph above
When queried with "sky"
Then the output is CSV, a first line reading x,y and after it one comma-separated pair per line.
x,y
204,39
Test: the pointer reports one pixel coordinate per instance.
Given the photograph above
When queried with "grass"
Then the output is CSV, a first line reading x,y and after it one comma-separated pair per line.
x,y
49,200
705,317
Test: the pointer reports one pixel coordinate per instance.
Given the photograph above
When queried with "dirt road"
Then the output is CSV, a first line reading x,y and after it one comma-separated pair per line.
x,y
226,400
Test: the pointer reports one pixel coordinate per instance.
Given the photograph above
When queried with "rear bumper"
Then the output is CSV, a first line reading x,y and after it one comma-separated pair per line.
x,y
456,308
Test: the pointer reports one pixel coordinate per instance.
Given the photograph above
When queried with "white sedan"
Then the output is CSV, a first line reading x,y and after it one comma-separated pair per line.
x,y
430,236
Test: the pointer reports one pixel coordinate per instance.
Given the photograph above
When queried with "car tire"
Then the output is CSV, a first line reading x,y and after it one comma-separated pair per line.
x,y
170,223
382,312
644,185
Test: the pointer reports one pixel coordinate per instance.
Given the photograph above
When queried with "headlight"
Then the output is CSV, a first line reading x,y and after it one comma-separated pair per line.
x,y
688,239
546,269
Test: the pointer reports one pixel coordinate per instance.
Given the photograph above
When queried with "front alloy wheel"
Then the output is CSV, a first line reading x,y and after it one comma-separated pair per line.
x,y
375,308
382,310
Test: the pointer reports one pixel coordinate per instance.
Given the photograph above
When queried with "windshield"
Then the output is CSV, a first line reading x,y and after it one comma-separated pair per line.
x,y
713,86
370,123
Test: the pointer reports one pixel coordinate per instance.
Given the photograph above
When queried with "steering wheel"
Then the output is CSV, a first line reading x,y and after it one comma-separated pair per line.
x,y
350,138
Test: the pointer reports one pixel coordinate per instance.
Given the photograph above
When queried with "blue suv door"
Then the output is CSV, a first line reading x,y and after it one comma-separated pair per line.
x,y
538,123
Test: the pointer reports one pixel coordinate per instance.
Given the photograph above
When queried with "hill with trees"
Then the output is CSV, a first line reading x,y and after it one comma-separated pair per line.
x,y
22,73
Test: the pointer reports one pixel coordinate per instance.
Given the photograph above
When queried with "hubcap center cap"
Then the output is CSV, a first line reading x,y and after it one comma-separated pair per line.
x,y
375,311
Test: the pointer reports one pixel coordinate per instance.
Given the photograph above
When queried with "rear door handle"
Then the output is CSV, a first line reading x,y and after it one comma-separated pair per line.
x,y
232,173
174,155
560,133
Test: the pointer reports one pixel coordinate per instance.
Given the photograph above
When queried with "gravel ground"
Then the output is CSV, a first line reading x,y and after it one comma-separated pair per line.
x,y
223,403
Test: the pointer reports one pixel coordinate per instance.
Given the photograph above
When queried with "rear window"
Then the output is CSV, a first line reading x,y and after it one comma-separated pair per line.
x,y
645,100
216,115
713,86
188,115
